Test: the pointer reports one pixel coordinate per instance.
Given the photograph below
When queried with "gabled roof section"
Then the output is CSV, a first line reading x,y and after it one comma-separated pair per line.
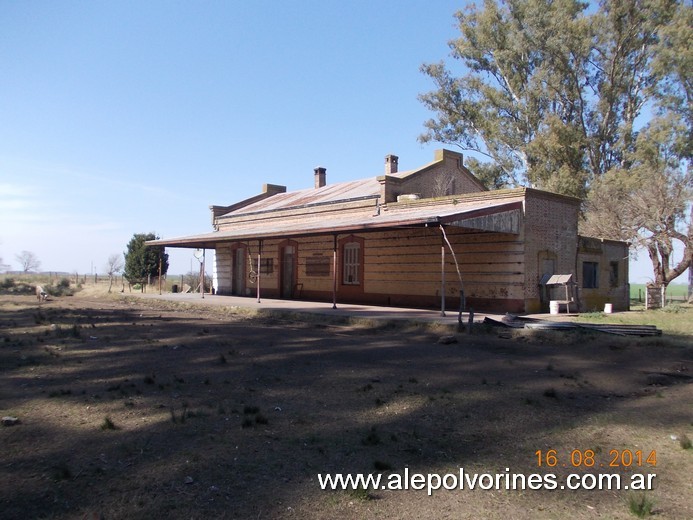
x,y
440,157
386,187
340,192
367,204
268,190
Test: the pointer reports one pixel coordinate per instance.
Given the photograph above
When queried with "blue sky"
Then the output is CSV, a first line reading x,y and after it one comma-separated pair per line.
x,y
124,117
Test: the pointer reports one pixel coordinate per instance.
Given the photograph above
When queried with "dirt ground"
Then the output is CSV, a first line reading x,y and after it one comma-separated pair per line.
x,y
139,409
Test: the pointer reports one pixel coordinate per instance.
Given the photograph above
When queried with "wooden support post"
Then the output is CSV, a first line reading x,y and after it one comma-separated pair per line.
x,y
159,273
442,278
334,272
202,275
470,321
259,257
460,326
567,300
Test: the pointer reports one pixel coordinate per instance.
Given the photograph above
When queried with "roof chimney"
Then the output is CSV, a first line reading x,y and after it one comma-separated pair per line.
x,y
320,177
391,164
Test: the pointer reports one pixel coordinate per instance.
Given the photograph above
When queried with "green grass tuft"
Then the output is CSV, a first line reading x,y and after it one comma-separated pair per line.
x,y
361,493
108,424
640,505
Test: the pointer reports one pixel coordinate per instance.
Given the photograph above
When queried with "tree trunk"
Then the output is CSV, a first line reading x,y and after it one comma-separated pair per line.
x,y
656,264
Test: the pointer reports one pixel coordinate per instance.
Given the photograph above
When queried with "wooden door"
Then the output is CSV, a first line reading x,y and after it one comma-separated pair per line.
x,y
288,281
238,282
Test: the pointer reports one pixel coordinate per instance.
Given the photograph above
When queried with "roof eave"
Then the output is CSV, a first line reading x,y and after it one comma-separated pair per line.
x,y
209,242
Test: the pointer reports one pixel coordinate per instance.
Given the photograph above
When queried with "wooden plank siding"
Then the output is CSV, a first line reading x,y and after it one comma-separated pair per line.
x,y
399,268
404,267
222,268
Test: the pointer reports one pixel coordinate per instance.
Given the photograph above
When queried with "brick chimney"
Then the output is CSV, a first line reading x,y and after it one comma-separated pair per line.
x,y
391,164
320,177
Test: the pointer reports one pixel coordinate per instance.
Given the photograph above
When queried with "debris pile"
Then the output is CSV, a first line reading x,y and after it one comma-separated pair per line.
x,y
519,322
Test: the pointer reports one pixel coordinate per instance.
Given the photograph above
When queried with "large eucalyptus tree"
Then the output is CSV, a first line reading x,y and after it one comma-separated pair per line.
x,y
566,95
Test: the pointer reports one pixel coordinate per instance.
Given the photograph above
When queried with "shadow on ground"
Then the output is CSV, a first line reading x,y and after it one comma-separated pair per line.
x,y
134,411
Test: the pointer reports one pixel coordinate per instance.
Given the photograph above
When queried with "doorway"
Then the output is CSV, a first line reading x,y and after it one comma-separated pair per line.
x,y
238,279
288,272
547,268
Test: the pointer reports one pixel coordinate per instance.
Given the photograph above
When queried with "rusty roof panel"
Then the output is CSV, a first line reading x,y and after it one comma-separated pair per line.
x,y
362,219
331,193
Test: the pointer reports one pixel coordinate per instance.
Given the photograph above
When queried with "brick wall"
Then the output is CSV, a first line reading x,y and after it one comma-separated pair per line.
x,y
550,232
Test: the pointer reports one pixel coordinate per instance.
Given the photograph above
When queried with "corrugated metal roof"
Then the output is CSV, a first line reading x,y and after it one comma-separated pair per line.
x,y
359,220
342,191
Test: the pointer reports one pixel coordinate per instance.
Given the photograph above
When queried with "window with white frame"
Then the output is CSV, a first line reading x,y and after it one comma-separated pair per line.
x,y
351,263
